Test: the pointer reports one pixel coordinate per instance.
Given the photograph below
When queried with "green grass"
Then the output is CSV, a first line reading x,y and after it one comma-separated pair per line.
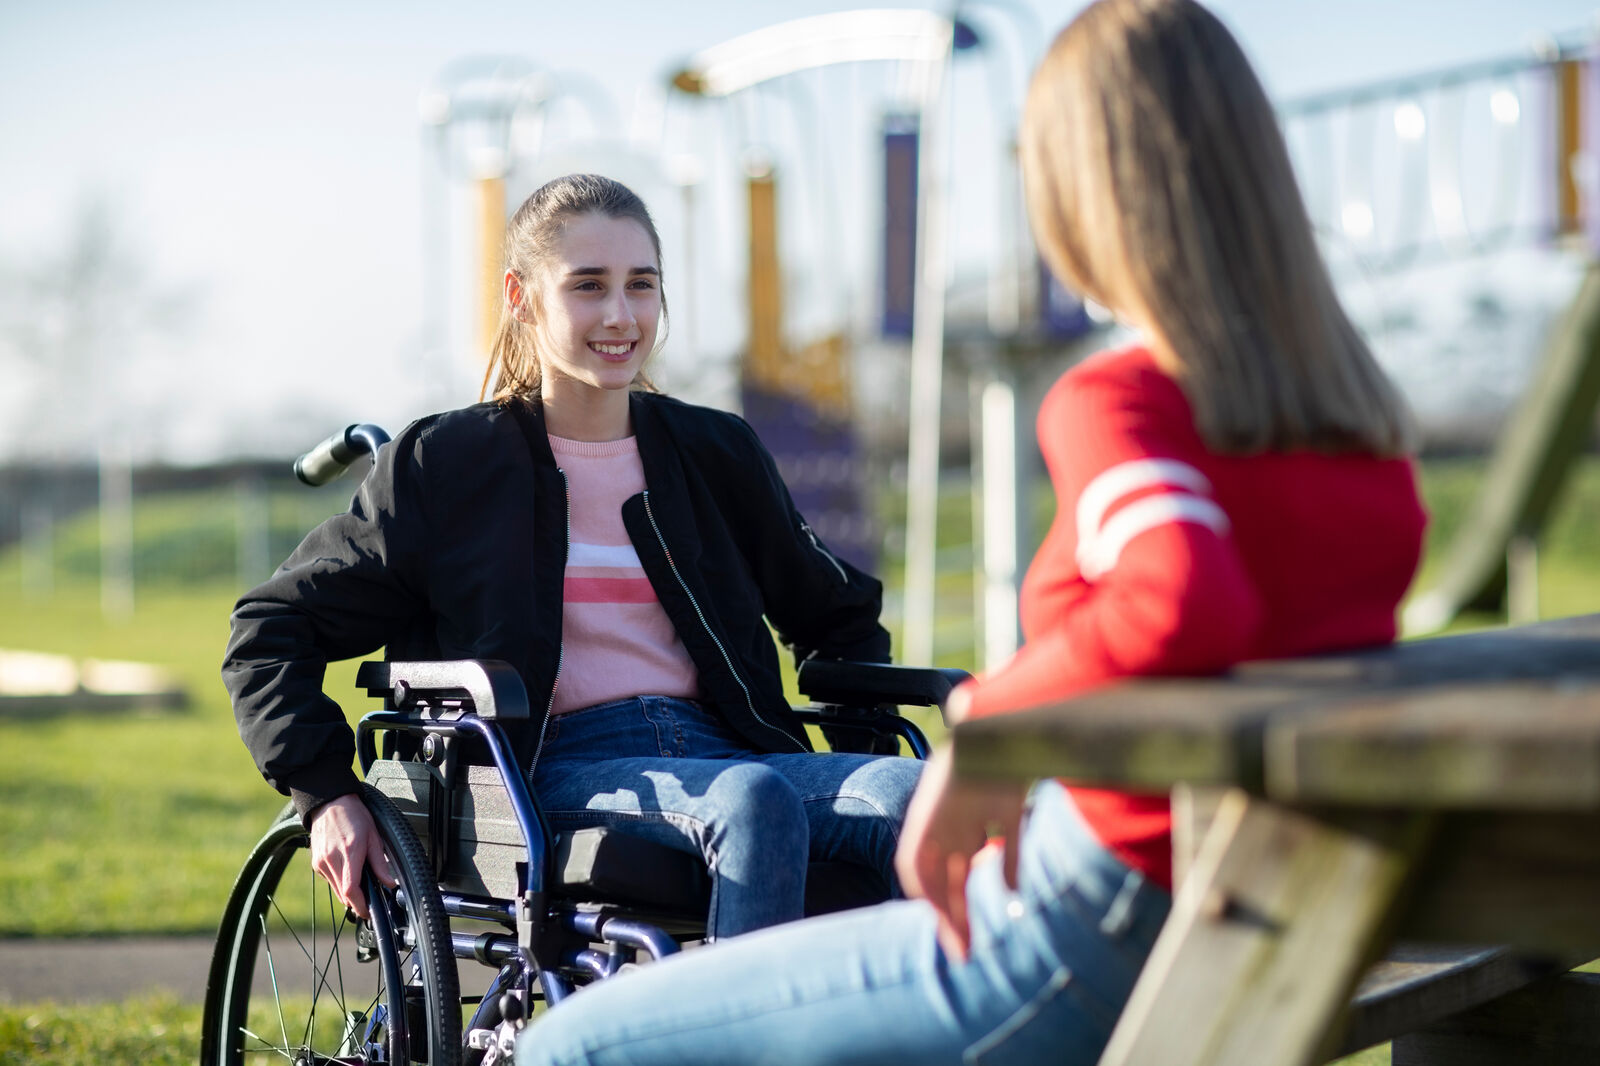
x,y
159,1031
148,1030
129,823
137,823
191,538
151,1031
1569,547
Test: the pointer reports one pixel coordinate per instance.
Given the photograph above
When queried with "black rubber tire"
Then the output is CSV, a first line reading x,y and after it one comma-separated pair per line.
x,y
344,1014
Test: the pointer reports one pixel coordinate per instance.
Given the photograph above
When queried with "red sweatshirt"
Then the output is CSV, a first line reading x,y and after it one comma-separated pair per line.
x,y
1167,559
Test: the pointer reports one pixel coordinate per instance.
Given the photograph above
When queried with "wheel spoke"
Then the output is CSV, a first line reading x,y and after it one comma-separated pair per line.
x,y
338,961
272,972
311,1015
289,926
350,1019
284,1052
321,982
319,968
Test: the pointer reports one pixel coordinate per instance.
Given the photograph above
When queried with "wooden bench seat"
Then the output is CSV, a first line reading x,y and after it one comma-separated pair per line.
x,y
1553,1022
1419,989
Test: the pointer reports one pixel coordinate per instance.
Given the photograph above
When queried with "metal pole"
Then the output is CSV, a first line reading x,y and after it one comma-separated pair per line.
x,y
491,190
687,175
927,374
116,532
253,526
38,564
437,372
1001,528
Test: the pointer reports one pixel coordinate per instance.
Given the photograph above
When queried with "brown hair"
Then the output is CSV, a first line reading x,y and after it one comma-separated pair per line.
x,y
530,238
1159,184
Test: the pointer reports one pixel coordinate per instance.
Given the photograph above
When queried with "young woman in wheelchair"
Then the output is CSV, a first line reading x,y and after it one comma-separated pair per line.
x,y
1232,486
622,550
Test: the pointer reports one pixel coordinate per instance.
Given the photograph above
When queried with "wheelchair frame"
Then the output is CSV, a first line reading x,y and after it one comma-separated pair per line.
x,y
471,846
470,827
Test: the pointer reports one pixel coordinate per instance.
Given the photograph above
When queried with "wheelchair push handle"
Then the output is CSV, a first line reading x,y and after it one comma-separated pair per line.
x,y
333,456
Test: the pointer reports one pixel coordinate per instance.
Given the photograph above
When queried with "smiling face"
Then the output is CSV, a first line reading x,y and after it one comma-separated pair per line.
x,y
595,306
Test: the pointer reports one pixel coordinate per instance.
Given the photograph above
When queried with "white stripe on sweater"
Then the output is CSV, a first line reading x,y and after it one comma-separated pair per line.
x,y
1100,542
615,556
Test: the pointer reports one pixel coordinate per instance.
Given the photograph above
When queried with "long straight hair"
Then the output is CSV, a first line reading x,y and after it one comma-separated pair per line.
x,y
1159,184
530,241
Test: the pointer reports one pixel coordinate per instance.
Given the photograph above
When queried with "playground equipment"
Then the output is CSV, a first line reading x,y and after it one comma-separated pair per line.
x,y
763,150
916,170
924,41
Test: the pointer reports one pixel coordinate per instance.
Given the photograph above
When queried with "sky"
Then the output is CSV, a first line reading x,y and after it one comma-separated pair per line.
x,y
254,175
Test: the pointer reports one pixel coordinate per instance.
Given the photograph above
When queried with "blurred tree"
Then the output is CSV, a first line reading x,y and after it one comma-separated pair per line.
x,y
82,329
85,336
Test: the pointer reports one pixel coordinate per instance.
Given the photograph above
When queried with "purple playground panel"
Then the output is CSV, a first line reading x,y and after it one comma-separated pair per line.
x,y
901,136
820,460
1062,313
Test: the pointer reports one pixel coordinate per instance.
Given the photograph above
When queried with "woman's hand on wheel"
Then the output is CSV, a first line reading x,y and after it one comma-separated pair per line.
x,y
949,823
343,843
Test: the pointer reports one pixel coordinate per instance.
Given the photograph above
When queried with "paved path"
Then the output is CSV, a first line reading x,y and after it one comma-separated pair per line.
x,y
97,970
89,970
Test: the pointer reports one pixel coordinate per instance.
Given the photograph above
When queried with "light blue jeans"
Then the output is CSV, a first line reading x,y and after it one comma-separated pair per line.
x,y
673,771
1050,969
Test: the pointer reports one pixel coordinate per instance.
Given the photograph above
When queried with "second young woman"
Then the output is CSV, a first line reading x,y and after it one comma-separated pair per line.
x,y
1235,485
625,552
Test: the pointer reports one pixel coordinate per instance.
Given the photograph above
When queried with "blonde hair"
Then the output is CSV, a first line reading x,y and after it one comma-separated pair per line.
x,y
1159,184
530,242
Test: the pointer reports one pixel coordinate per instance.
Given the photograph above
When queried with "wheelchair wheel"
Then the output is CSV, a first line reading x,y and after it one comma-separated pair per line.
x,y
294,977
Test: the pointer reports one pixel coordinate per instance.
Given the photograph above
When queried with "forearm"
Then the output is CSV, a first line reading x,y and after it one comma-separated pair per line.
x,y
1180,603
274,669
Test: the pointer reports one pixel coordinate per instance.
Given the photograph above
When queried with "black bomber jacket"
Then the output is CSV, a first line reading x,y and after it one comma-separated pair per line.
x,y
454,547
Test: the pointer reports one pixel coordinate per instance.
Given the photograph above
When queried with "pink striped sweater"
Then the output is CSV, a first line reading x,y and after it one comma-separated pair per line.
x,y
616,641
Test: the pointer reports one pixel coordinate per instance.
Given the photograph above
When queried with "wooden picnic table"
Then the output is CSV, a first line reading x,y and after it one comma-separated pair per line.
x,y
1439,791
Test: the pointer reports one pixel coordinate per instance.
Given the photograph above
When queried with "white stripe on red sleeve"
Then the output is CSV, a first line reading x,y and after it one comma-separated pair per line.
x,y
1101,541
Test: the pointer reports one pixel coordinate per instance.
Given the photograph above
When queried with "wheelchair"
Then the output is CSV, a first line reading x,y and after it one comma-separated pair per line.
x,y
493,914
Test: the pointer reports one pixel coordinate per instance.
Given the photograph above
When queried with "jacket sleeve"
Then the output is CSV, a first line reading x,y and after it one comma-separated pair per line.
x,y
1140,573
345,591
820,605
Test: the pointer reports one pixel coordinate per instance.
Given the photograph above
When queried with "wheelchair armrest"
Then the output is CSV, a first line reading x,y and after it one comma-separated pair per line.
x,y
487,687
839,682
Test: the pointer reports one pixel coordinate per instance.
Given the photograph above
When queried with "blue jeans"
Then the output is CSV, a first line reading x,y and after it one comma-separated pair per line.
x,y
1050,969
673,771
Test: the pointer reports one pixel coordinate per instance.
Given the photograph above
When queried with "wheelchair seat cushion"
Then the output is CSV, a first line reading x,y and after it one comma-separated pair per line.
x,y
599,864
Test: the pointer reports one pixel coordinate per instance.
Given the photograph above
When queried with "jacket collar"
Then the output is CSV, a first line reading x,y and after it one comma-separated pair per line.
x,y
655,439
529,415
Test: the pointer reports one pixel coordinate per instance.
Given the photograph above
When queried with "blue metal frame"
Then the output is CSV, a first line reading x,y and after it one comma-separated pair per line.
x,y
551,946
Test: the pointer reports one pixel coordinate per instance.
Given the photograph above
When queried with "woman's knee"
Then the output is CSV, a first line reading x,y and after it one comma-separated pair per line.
x,y
885,784
751,800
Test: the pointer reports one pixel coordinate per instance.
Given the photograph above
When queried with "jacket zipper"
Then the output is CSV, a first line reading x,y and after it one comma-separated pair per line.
x,y
817,544
561,648
726,658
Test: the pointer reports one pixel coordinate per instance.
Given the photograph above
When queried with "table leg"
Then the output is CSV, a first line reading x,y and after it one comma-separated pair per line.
x,y
1268,935
1193,809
